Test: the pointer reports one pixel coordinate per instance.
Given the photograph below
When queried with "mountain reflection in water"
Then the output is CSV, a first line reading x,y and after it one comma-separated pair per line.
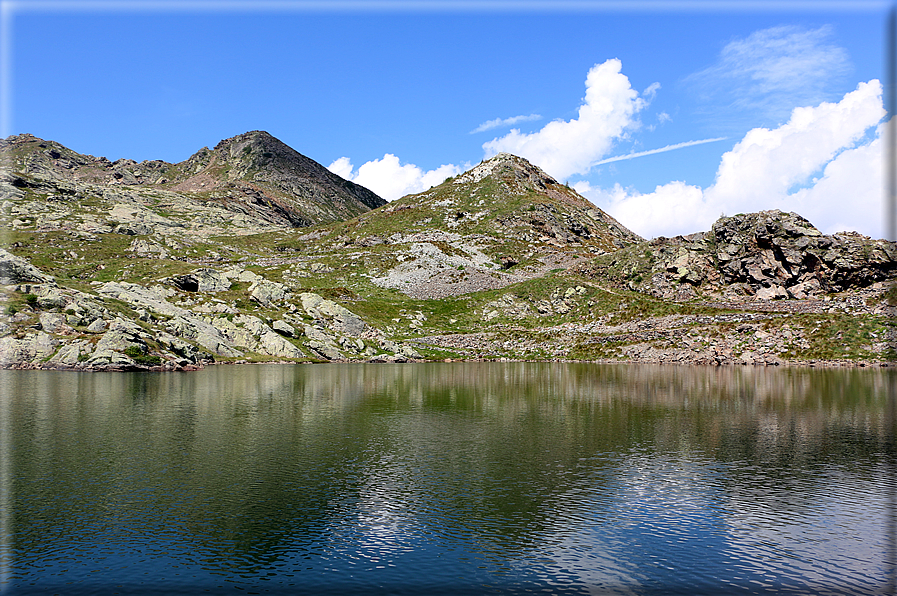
x,y
454,478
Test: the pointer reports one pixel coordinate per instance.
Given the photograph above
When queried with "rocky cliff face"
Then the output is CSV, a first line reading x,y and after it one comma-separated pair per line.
x,y
765,255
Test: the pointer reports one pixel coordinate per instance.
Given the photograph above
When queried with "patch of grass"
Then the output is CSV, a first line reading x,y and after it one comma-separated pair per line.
x,y
838,336
639,307
137,355
596,350
337,293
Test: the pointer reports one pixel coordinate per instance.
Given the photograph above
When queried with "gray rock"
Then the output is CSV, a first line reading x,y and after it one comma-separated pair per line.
x,y
273,344
322,343
31,348
15,270
98,326
338,317
806,289
107,357
267,293
284,328
408,352
242,275
70,354
760,252
54,323
53,298
383,358
122,335
183,323
133,229
203,333
144,248
771,293
202,280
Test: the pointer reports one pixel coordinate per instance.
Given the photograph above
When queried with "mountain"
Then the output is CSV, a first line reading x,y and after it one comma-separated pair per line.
x,y
253,174
502,222
125,265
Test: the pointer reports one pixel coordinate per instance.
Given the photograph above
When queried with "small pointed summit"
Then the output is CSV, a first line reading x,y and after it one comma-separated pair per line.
x,y
504,164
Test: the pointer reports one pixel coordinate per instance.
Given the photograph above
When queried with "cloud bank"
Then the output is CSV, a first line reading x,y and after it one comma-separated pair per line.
x,y
561,148
820,164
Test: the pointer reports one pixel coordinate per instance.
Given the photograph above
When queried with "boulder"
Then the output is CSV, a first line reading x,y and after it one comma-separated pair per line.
x,y
70,354
98,326
33,347
15,270
110,358
202,280
322,343
182,323
122,335
273,344
283,328
337,317
771,293
144,248
267,293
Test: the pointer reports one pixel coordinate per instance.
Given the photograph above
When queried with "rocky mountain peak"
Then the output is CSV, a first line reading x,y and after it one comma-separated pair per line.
x,y
506,165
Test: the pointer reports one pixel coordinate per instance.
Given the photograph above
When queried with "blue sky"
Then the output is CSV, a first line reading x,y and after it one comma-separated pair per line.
x,y
393,95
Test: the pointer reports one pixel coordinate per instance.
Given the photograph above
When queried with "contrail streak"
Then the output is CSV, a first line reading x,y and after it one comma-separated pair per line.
x,y
661,150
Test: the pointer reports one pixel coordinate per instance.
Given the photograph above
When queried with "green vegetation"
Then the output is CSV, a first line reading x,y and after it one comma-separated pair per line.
x,y
137,355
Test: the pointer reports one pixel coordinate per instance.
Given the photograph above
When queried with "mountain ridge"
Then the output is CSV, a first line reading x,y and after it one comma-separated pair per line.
x,y
253,170
125,265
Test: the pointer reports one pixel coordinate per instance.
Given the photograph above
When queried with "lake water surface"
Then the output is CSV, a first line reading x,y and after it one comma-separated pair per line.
x,y
480,478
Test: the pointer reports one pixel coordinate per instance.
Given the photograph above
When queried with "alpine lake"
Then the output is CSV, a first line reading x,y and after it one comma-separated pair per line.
x,y
447,478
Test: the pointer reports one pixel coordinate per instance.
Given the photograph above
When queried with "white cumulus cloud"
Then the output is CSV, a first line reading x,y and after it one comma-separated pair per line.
x,y
389,178
767,163
566,147
817,164
342,167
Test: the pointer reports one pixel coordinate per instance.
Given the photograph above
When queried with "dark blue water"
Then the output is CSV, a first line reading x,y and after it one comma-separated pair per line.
x,y
492,478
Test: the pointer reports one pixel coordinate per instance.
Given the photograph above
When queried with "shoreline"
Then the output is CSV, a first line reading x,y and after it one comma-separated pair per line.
x,y
57,367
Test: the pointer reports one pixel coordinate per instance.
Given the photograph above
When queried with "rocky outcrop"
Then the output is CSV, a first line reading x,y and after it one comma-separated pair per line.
x,y
766,255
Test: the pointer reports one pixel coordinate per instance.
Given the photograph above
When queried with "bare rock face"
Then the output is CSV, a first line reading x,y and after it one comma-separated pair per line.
x,y
766,255
502,222
255,169
782,254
